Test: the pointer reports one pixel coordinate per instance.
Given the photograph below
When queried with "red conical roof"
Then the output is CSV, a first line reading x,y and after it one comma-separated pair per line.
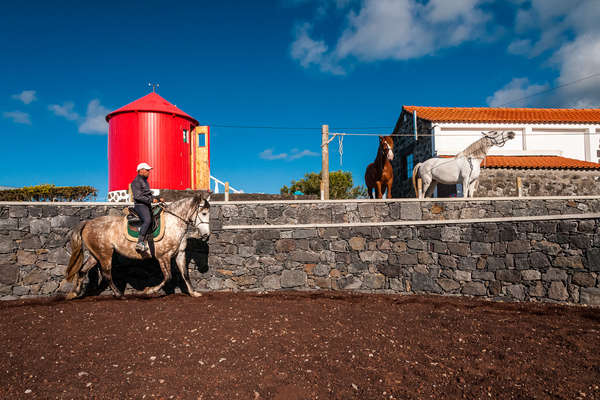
x,y
151,102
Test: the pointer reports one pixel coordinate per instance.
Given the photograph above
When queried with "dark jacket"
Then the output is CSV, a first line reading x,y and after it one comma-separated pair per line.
x,y
141,191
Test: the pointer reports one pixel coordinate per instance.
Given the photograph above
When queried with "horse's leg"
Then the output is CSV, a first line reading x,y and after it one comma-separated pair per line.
x,y
430,189
106,271
180,259
165,267
370,191
389,189
378,189
76,291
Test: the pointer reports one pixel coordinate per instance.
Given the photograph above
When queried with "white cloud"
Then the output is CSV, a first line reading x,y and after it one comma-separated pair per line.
x,y
517,89
26,96
18,117
568,34
303,153
393,29
308,51
94,121
295,154
268,155
65,110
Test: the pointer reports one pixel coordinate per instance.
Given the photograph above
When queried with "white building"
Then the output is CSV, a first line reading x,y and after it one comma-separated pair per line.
x,y
546,139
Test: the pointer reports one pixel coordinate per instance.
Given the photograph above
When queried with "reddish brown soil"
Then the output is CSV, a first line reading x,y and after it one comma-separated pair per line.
x,y
297,346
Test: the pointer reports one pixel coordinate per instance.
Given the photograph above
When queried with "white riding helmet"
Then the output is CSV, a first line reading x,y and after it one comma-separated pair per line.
x,y
143,166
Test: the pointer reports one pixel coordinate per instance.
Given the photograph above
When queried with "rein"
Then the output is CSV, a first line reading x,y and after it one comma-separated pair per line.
x,y
188,222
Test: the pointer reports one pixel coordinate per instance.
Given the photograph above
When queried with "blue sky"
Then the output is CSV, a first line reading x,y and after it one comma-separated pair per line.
x,y
282,63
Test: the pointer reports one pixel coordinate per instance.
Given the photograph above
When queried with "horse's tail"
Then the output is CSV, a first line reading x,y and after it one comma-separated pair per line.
x,y
414,174
76,260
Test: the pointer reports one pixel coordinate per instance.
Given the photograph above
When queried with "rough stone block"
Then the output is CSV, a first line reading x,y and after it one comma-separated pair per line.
x,y
285,245
424,258
450,234
568,262
585,279
396,285
7,224
374,256
481,248
592,259
407,259
338,246
558,291
58,256
304,256
64,221
35,276
410,211
7,245
17,211
462,275
508,275
357,243
374,281
321,270
448,285
304,233
447,261
215,283
516,291
459,249
482,275
323,283
26,257
366,210
8,274
416,244
590,296
293,278
37,226
538,260
424,283
518,246
531,275
474,289
580,241
554,274
537,290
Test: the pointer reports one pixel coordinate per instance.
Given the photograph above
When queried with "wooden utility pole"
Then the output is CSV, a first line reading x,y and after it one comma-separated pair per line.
x,y
325,162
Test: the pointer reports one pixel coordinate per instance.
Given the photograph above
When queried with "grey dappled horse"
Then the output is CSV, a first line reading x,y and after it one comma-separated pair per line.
x,y
103,236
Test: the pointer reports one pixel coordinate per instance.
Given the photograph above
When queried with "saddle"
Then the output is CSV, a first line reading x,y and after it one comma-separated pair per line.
x,y
132,223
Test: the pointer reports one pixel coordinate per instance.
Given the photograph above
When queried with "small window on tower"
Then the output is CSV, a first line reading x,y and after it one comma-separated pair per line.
x,y
185,136
409,165
201,140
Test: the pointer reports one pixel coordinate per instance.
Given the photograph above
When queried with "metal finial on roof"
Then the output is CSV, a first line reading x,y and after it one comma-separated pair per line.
x,y
154,86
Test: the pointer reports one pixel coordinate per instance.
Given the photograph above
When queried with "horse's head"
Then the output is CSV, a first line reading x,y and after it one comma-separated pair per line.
x,y
499,138
202,216
386,147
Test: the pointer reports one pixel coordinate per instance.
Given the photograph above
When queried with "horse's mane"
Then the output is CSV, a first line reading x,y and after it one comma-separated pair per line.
x,y
477,149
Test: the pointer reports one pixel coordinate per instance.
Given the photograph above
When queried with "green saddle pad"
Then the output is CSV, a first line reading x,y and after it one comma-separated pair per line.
x,y
133,230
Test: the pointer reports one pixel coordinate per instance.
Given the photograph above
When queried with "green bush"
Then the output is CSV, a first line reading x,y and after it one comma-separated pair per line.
x,y
340,186
49,193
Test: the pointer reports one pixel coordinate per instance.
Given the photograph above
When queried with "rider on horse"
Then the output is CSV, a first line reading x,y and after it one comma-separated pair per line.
x,y
142,199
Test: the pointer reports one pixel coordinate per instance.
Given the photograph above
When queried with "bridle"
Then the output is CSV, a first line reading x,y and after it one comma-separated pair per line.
x,y
386,149
494,139
188,222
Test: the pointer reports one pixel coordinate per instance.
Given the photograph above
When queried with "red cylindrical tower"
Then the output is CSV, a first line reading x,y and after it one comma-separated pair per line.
x,y
154,131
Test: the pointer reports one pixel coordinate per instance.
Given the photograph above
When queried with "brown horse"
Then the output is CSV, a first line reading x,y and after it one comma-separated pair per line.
x,y
379,174
103,236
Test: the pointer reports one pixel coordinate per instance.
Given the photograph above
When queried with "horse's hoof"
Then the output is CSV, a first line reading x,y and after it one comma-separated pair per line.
x,y
71,296
196,294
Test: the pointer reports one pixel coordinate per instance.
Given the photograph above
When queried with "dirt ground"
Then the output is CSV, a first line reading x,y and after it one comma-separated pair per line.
x,y
292,345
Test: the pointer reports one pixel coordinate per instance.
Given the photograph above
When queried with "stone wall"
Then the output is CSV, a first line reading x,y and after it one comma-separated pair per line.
x,y
553,258
501,182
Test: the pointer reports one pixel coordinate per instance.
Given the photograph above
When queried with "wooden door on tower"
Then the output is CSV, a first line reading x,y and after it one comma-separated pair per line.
x,y
200,164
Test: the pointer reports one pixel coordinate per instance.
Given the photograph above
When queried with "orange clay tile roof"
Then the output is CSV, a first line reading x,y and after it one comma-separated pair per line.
x,y
536,162
483,114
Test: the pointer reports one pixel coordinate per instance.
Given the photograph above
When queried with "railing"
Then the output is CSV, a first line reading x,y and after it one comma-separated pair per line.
x,y
218,182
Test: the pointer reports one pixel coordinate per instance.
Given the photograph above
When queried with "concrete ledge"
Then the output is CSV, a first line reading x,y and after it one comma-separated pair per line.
x,y
403,200
420,222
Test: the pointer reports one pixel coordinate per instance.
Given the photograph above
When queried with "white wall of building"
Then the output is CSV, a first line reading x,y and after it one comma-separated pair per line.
x,y
576,141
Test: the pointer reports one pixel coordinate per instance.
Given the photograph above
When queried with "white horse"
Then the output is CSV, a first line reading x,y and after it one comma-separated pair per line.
x,y
463,168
